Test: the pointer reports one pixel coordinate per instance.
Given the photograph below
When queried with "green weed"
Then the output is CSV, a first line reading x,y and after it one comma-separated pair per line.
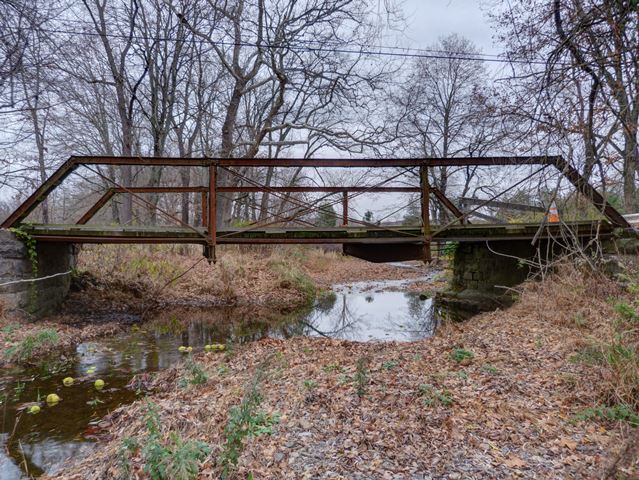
x,y
627,312
26,348
488,368
389,365
333,367
460,354
245,420
360,379
310,384
10,329
197,375
18,390
449,249
434,397
95,402
174,458
618,413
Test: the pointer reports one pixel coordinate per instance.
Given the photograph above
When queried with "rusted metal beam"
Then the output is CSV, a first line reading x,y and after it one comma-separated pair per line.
x,y
211,237
204,209
345,208
98,205
496,204
143,161
449,205
378,162
40,194
160,189
425,184
297,189
583,187
315,162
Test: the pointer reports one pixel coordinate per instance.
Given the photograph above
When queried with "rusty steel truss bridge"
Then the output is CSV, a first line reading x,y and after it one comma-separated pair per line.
x,y
360,238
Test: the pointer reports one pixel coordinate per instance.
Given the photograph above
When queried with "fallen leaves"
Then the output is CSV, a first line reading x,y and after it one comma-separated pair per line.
x,y
514,420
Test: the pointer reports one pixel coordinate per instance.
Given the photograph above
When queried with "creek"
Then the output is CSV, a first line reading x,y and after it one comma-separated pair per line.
x,y
40,443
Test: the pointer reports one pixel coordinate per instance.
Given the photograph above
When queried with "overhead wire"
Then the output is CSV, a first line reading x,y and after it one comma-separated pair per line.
x,y
305,46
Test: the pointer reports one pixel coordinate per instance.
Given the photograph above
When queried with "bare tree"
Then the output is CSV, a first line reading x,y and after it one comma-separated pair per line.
x,y
123,77
264,48
446,110
592,49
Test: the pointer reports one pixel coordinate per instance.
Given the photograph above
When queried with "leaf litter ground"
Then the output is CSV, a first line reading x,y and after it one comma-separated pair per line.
x,y
494,397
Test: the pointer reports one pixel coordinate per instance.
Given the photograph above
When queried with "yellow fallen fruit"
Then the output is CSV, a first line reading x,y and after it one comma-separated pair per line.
x,y
90,370
67,382
208,348
182,349
34,409
99,384
189,349
52,399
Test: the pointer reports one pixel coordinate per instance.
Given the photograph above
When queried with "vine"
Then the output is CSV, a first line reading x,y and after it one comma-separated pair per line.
x,y
32,253
30,244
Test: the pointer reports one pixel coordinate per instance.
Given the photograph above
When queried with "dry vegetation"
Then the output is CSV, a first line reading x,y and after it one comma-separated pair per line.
x,y
546,389
275,277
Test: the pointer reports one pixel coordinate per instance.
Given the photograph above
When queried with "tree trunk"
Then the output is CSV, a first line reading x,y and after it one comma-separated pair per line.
x,y
629,171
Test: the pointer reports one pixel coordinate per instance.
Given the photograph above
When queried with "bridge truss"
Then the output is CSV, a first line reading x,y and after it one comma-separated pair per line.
x,y
360,236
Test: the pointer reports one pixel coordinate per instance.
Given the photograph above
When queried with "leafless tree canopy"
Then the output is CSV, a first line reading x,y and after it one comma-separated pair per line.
x,y
272,78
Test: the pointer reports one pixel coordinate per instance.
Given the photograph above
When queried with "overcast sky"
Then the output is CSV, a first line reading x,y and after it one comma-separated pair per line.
x,y
430,19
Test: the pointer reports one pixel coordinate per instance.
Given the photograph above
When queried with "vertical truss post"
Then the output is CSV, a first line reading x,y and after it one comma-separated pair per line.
x,y
425,185
345,208
205,201
212,210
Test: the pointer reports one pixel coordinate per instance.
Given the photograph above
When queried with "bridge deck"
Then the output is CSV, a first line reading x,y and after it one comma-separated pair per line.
x,y
385,235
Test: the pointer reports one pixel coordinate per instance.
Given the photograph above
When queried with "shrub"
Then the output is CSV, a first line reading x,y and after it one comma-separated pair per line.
x,y
245,420
175,458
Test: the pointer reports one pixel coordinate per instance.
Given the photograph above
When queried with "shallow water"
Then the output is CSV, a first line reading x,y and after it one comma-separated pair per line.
x,y
363,311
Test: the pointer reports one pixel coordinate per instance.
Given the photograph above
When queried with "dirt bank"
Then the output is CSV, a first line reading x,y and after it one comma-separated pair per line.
x,y
516,393
278,277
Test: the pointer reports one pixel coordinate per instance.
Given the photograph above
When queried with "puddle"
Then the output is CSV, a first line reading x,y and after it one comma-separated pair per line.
x,y
364,311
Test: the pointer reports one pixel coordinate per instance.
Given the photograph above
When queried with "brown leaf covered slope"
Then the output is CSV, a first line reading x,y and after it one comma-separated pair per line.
x,y
512,412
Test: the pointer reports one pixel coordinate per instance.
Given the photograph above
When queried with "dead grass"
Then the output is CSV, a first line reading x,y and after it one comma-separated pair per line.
x,y
263,276
510,403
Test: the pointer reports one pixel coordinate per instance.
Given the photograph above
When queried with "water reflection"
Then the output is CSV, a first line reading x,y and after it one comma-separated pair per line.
x,y
43,442
373,317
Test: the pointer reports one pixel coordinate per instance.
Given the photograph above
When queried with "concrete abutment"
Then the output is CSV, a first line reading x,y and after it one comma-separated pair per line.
x,y
18,294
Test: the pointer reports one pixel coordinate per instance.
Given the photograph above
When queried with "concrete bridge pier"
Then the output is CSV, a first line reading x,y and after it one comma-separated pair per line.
x,y
480,271
18,294
485,266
